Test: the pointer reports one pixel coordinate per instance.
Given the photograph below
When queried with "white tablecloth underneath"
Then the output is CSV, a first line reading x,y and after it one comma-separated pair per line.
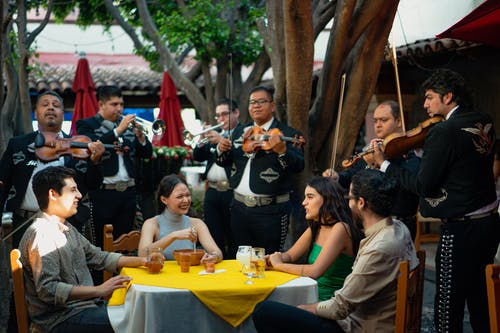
x,y
153,309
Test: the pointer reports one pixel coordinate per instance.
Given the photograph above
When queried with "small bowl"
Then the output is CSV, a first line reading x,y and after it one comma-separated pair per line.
x,y
195,255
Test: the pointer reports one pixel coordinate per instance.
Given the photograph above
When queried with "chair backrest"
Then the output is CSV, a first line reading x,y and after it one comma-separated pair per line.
x,y
19,298
125,243
493,288
409,296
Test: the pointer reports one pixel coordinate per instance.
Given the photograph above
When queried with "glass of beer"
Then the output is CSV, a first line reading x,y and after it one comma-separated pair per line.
x,y
258,254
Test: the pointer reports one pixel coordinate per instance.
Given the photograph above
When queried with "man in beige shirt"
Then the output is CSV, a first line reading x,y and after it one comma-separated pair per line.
x,y
367,301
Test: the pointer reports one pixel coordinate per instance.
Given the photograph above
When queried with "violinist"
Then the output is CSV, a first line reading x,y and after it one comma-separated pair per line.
x,y
261,178
19,164
115,202
218,196
455,183
387,121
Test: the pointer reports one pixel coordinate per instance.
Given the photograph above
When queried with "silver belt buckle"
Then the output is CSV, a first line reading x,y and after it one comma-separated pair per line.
x,y
121,186
250,201
222,185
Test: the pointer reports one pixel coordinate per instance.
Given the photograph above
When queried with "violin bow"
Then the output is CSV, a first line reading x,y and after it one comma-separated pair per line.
x,y
337,126
394,60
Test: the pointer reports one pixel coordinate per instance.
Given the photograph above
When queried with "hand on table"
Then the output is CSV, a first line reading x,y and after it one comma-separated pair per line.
x,y
116,282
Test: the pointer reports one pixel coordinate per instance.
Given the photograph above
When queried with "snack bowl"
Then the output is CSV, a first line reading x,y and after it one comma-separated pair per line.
x,y
195,255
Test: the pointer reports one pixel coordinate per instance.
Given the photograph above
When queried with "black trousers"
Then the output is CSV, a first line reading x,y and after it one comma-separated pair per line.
x,y
464,250
260,226
113,207
270,316
217,216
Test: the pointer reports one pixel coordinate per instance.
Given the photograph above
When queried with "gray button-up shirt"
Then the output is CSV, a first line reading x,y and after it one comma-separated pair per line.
x,y
56,257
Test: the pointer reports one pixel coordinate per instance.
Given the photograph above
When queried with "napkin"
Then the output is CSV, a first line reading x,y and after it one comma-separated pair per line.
x,y
224,294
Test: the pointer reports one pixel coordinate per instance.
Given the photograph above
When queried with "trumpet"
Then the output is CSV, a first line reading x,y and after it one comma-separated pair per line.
x,y
157,127
194,140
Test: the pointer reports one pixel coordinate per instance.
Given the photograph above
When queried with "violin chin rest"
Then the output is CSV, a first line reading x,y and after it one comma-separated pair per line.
x,y
39,140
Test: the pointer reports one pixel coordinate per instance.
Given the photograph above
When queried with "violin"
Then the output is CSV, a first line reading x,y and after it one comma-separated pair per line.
x,y
398,144
50,147
256,138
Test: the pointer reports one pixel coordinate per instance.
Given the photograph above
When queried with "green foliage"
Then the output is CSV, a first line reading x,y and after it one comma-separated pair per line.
x,y
214,29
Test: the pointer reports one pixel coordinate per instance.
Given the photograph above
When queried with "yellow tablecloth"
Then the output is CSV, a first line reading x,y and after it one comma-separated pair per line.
x,y
225,293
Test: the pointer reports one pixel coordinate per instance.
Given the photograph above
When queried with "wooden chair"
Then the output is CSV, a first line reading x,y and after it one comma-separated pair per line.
x,y
425,237
493,288
409,296
126,244
19,298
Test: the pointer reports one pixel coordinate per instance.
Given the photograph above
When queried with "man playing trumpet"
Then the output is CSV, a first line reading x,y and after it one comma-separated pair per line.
x,y
218,195
115,202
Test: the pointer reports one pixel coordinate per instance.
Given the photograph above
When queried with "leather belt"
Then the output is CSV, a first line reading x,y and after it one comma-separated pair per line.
x,y
25,214
120,186
471,217
221,185
252,201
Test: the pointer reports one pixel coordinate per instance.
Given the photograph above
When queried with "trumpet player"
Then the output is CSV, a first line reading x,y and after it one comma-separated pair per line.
x,y
115,202
218,195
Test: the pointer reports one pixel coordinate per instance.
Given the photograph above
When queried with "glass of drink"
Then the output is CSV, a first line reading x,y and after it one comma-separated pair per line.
x,y
155,260
244,254
258,259
249,270
185,261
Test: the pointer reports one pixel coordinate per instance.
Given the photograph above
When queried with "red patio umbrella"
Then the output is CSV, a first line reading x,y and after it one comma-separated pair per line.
x,y
170,113
84,88
482,25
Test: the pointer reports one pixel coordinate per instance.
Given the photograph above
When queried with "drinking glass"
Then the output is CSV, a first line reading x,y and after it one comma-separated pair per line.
x,y
249,270
155,260
244,254
258,259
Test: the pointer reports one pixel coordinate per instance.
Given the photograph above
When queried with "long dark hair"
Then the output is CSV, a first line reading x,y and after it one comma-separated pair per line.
x,y
166,187
334,209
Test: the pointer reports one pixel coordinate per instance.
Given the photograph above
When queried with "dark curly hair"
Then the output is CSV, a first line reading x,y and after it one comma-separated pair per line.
x,y
376,188
334,209
443,81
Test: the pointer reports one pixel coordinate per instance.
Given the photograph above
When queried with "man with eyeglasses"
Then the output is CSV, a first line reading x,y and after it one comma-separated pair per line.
x,y
261,179
387,121
219,195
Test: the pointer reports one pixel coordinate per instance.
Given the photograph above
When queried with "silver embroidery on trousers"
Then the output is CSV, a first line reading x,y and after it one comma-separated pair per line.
x,y
444,288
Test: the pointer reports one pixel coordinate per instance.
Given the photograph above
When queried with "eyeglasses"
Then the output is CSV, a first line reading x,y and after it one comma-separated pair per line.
x,y
259,101
221,114
349,197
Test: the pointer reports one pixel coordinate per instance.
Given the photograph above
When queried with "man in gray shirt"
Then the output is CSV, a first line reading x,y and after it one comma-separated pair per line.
x,y
56,258
367,301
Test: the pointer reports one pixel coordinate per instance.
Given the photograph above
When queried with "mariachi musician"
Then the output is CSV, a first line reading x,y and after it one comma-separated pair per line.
x,y
261,179
387,121
115,202
219,195
19,163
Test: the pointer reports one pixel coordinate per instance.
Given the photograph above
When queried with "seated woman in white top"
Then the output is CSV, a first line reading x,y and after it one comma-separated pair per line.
x,y
173,229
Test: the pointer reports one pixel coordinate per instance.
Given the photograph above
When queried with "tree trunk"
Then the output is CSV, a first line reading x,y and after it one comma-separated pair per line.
x,y
25,124
355,47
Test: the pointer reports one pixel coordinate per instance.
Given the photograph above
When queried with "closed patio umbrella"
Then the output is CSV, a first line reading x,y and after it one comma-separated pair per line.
x,y
170,113
84,88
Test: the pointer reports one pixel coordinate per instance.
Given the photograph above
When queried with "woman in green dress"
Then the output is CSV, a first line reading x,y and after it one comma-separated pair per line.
x,y
331,240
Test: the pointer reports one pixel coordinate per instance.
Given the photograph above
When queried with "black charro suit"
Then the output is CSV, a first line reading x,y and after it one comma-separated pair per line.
x,y
217,201
16,168
270,175
456,179
111,206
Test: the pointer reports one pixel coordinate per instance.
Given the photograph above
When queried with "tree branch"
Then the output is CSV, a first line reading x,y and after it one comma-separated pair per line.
x,y
115,13
30,38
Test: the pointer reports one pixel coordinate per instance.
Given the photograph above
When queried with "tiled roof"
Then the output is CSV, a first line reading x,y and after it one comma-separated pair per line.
x,y
132,74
